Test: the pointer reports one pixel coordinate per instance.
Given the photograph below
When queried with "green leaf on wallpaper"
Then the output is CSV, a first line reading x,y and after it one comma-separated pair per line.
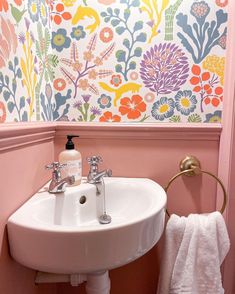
x,y
138,26
121,56
127,14
47,40
22,102
175,119
10,66
138,52
123,1
126,43
53,60
118,68
132,65
120,30
6,95
7,80
117,11
110,10
40,34
10,106
142,37
19,73
25,116
103,14
38,50
1,76
16,61
46,77
135,3
194,118
14,85
107,19
115,22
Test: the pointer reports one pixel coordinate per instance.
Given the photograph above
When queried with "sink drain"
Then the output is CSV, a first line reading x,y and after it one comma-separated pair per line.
x,y
82,199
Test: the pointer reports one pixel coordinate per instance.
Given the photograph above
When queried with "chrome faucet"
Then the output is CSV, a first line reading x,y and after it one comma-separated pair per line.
x,y
57,184
94,176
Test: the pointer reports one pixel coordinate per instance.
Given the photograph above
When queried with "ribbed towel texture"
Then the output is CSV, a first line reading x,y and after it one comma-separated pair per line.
x,y
195,247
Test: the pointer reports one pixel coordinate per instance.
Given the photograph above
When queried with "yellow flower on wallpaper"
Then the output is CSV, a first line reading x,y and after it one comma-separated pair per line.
x,y
69,2
215,64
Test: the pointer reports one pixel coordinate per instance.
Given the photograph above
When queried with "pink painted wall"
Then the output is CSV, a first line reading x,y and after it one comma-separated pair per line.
x,y
22,174
136,152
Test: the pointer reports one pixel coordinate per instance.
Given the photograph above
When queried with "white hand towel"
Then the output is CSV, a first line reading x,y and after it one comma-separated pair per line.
x,y
195,247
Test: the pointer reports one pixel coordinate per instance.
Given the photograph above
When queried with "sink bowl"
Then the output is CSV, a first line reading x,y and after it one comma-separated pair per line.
x,y
61,233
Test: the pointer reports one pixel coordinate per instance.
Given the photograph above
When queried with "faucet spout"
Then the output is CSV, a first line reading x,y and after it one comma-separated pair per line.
x,y
105,173
57,184
59,187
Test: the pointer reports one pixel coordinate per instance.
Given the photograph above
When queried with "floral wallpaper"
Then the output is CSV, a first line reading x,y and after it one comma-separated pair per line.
x,y
26,63
112,60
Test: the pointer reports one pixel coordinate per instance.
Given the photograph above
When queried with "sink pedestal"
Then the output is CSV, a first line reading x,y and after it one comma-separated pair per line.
x,y
98,283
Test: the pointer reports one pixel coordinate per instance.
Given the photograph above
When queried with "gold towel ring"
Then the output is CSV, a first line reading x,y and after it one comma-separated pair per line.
x,y
190,166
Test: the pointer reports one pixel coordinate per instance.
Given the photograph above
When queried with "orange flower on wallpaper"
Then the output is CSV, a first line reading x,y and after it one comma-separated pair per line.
x,y
4,5
109,117
59,84
3,114
106,35
133,106
221,3
116,80
18,2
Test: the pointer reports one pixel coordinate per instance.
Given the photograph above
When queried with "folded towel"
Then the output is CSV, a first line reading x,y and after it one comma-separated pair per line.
x,y
195,247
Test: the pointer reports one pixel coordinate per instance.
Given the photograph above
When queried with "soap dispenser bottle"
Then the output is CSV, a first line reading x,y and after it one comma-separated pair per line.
x,y
73,160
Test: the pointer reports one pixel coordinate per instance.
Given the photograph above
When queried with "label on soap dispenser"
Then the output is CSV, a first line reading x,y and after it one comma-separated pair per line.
x,y
74,168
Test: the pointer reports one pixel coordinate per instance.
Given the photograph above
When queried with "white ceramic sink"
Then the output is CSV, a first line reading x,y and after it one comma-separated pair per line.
x,y
58,234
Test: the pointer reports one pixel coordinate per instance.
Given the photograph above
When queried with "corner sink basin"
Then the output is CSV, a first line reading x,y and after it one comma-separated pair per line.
x,y
61,233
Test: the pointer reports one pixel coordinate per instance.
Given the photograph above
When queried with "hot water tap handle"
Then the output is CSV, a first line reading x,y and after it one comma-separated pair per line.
x,y
94,160
56,166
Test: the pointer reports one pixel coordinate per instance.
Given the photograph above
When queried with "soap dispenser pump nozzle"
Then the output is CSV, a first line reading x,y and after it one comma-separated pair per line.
x,y
70,145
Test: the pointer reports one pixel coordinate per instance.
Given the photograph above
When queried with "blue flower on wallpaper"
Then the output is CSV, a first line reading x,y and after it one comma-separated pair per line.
x,y
43,11
104,101
38,10
78,33
200,10
33,9
164,108
185,102
214,117
59,40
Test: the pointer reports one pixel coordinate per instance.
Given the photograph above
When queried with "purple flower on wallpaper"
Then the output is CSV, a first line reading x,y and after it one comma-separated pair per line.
x,y
164,68
86,98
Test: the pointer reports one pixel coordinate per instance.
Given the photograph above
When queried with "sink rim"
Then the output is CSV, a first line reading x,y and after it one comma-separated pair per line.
x,y
35,224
